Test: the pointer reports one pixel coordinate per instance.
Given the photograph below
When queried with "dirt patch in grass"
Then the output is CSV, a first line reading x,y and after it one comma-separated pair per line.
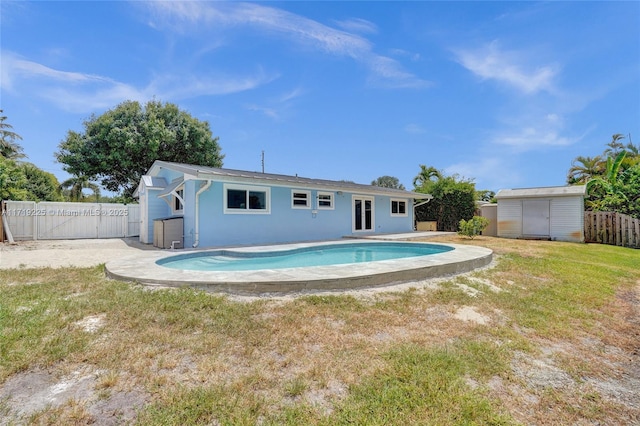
x,y
42,396
306,356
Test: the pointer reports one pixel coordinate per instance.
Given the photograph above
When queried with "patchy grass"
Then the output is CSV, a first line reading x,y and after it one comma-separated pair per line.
x,y
557,344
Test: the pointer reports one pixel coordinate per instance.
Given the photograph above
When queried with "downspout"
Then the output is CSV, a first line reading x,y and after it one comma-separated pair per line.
x,y
429,197
197,218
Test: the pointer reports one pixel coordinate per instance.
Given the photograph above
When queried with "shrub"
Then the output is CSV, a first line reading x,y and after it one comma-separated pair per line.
x,y
472,227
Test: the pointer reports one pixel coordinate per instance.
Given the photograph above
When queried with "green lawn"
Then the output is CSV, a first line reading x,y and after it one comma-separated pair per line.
x,y
558,319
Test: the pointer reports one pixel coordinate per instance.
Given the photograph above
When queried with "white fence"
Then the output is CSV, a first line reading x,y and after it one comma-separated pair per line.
x,y
29,220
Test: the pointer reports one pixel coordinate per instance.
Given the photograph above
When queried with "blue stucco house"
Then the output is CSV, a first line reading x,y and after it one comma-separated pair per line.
x,y
223,207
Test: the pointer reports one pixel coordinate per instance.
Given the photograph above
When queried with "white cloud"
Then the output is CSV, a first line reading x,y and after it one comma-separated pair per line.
x,y
491,173
14,66
83,92
509,67
185,17
389,73
293,94
414,57
269,112
278,106
531,132
532,137
357,25
414,129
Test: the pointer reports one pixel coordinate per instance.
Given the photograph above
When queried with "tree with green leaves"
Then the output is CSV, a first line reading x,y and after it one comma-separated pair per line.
x,y
25,182
118,147
454,199
486,195
612,179
12,181
9,147
388,182
617,189
584,168
74,186
473,227
40,185
427,174
615,146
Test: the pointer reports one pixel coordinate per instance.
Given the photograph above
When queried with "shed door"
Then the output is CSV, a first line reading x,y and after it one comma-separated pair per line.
x,y
535,218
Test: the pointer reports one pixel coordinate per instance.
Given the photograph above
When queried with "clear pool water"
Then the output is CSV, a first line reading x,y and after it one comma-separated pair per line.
x,y
322,255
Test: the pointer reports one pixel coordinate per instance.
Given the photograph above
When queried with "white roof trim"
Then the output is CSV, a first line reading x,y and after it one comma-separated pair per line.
x,y
552,191
150,182
227,175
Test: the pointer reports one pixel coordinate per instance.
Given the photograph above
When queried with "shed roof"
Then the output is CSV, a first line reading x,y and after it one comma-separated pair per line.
x,y
549,191
150,182
169,189
204,172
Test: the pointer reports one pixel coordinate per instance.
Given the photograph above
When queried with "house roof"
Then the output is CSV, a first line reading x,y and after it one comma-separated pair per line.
x,y
154,182
169,189
150,182
550,191
220,174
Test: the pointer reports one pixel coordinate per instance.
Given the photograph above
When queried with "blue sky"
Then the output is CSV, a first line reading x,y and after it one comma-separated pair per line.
x,y
504,93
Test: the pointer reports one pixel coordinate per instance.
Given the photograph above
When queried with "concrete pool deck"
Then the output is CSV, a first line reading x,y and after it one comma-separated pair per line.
x,y
142,268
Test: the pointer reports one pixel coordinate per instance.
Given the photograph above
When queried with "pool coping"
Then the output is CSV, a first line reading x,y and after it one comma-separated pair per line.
x,y
142,268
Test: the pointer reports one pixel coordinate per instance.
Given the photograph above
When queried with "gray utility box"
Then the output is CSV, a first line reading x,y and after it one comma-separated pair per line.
x,y
168,232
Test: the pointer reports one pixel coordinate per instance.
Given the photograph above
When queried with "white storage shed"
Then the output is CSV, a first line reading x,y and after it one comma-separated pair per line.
x,y
554,213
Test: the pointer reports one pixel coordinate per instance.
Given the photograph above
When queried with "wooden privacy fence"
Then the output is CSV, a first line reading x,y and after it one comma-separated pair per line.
x,y
28,220
611,228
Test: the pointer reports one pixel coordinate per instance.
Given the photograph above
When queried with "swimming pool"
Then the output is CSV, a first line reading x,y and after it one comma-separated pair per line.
x,y
336,254
145,268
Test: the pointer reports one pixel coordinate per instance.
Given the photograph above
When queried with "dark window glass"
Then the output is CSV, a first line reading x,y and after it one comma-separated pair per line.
x,y
257,200
324,200
368,217
300,199
236,199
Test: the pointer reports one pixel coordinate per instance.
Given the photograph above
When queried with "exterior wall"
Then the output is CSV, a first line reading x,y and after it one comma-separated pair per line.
x,y
385,222
155,208
144,216
152,207
490,211
510,218
189,212
567,219
283,223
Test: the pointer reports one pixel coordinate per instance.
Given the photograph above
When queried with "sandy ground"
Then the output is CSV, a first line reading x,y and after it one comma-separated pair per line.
x,y
65,253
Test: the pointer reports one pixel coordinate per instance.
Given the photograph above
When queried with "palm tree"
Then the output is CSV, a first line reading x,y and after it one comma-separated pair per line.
x,y
615,146
584,168
633,152
74,186
9,148
605,189
426,174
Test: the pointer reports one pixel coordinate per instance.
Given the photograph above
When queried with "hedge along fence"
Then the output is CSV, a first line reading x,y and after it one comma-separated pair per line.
x,y
612,228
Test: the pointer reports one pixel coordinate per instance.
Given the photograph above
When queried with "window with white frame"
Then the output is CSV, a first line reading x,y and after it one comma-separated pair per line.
x,y
398,207
300,199
178,205
246,199
325,200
